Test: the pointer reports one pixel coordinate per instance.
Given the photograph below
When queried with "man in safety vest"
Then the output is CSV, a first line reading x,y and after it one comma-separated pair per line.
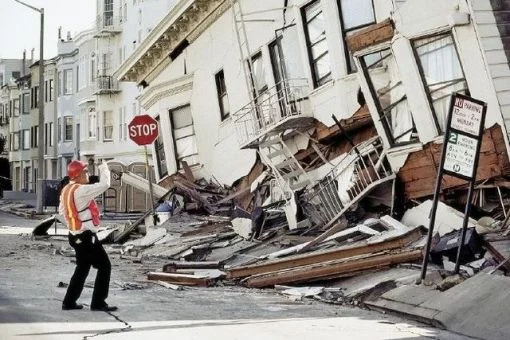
x,y
81,213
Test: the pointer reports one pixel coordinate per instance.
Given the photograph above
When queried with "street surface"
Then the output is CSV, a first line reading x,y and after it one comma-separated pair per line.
x,y
30,304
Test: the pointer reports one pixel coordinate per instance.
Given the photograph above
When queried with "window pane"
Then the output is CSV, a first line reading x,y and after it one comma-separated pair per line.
x,y
107,125
225,105
323,67
312,10
316,28
68,128
183,132
186,146
181,117
442,73
26,139
92,124
390,97
259,75
319,48
317,44
356,13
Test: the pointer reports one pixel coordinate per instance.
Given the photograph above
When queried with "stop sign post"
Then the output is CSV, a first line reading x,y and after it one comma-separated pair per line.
x,y
143,130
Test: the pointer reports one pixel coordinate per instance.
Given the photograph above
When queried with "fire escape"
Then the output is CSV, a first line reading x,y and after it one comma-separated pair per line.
x,y
107,26
276,115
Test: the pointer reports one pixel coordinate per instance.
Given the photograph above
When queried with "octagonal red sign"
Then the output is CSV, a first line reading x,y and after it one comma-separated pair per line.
x,y
143,129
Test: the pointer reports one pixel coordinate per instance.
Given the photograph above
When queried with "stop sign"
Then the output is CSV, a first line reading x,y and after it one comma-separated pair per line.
x,y
143,129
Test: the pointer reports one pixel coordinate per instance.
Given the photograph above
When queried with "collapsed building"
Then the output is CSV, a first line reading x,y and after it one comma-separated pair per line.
x,y
333,99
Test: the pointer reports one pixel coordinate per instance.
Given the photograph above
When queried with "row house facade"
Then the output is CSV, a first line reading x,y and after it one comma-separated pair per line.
x,y
93,108
234,82
24,130
10,71
86,109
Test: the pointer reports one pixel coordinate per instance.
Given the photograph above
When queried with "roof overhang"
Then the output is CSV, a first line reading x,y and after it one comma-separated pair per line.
x,y
183,24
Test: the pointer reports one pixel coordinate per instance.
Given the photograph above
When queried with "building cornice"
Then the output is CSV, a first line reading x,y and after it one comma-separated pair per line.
x,y
186,21
165,89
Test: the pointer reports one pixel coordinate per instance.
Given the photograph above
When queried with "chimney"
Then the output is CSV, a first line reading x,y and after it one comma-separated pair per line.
x,y
60,33
32,53
69,36
24,67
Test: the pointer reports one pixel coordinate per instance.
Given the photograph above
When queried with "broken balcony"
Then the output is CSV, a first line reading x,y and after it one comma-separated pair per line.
x,y
282,107
358,172
106,85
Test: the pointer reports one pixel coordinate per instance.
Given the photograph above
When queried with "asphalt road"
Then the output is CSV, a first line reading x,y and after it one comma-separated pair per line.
x,y
30,305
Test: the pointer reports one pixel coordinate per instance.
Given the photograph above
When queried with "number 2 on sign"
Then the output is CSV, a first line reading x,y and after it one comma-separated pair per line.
x,y
453,138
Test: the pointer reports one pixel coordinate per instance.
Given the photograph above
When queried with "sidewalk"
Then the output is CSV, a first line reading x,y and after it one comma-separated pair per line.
x,y
477,307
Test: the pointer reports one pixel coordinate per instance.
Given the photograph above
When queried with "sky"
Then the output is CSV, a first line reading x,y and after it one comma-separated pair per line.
x,y
19,26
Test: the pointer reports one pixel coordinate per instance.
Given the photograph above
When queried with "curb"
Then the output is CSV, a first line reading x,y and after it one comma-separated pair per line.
x,y
415,313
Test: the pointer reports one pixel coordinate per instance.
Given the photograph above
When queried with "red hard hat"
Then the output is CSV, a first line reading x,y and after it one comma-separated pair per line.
x,y
75,168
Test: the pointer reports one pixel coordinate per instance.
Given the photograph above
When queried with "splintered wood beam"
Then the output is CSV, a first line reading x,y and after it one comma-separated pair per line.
x,y
181,279
171,267
372,35
324,256
332,269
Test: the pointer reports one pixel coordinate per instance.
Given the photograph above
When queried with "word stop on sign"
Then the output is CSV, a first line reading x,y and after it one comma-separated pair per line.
x,y
142,130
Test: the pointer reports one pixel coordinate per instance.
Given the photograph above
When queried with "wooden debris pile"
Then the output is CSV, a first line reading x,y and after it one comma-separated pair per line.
x,y
204,250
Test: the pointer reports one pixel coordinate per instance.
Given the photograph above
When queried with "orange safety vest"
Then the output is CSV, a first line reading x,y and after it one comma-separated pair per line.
x,y
71,214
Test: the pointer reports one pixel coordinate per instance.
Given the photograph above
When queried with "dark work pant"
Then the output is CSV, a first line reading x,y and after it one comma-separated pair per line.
x,y
89,252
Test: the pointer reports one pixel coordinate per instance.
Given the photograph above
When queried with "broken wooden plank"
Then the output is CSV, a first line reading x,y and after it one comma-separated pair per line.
x,y
332,269
135,259
324,256
171,267
500,250
187,171
372,35
181,279
243,191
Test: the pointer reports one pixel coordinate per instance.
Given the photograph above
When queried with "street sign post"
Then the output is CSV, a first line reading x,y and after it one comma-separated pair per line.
x,y
143,130
459,158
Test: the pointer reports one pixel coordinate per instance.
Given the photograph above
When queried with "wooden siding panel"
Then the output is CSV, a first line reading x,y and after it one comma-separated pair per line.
x,y
419,172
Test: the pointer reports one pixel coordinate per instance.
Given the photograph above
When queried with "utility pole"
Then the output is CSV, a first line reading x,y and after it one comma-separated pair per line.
x,y
40,134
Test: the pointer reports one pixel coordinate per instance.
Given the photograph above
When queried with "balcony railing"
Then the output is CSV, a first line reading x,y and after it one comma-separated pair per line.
x,y
107,23
360,171
270,108
106,84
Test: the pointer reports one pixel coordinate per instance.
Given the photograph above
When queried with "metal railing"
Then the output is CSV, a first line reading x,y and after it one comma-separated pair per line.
x,y
286,99
106,84
361,170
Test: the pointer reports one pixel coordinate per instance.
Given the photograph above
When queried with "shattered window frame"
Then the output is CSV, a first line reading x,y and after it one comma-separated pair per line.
x,y
314,61
443,85
346,31
386,109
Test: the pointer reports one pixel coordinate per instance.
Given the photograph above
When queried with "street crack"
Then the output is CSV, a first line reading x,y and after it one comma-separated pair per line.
x,y
128,328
